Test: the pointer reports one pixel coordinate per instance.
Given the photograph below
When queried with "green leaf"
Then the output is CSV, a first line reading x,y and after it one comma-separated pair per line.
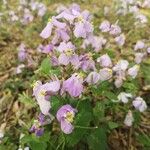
x,y
98,139
144,140
112,125
99,110
46,66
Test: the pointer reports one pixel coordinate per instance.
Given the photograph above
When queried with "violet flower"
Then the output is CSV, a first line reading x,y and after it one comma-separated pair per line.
x,y
73,85
139,57
43,92
105,61
105,74
105,26
115,29
93,78
22,55
65,115
120,40
139,45
87,62
50,25
139,104
133,71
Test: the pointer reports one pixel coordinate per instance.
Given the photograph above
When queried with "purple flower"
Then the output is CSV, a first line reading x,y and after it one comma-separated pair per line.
x,y
73,85
105,26
139,104
22,55
83,29
48,48
96,42
86,62
37,128
60,34
28,17
43,92
48,29
139,57
115,29
105,61
105,74
93,78
120,40
133,71
64,47
65,115
121,65
139,45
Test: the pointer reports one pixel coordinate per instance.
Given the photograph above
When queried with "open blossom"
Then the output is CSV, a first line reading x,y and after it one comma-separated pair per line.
x,y
105,26
121,65
105,61
86,62
73,85
129,119
67,54
124,97
120,40
139,45
115,29
60,34
133,71
105,74
50,25
139,104
83,28
65,115
65,47
139,57
42,93
97,42
93,78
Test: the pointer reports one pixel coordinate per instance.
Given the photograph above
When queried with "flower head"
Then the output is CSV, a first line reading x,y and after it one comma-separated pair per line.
x,y
139,104
129,119
65,115
124,97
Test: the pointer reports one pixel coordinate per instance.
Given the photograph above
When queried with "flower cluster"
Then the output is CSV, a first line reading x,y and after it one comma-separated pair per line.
x,y
83,60
26,11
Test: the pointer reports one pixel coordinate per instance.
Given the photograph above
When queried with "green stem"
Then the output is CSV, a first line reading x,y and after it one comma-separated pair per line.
x,y
86,127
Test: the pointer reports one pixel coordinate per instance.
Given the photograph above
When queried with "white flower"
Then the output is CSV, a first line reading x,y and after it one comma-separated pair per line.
x,y
129,119
139,104
124,97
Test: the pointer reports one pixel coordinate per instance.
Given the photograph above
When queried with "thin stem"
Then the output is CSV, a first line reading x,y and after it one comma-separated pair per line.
x,y
82,127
